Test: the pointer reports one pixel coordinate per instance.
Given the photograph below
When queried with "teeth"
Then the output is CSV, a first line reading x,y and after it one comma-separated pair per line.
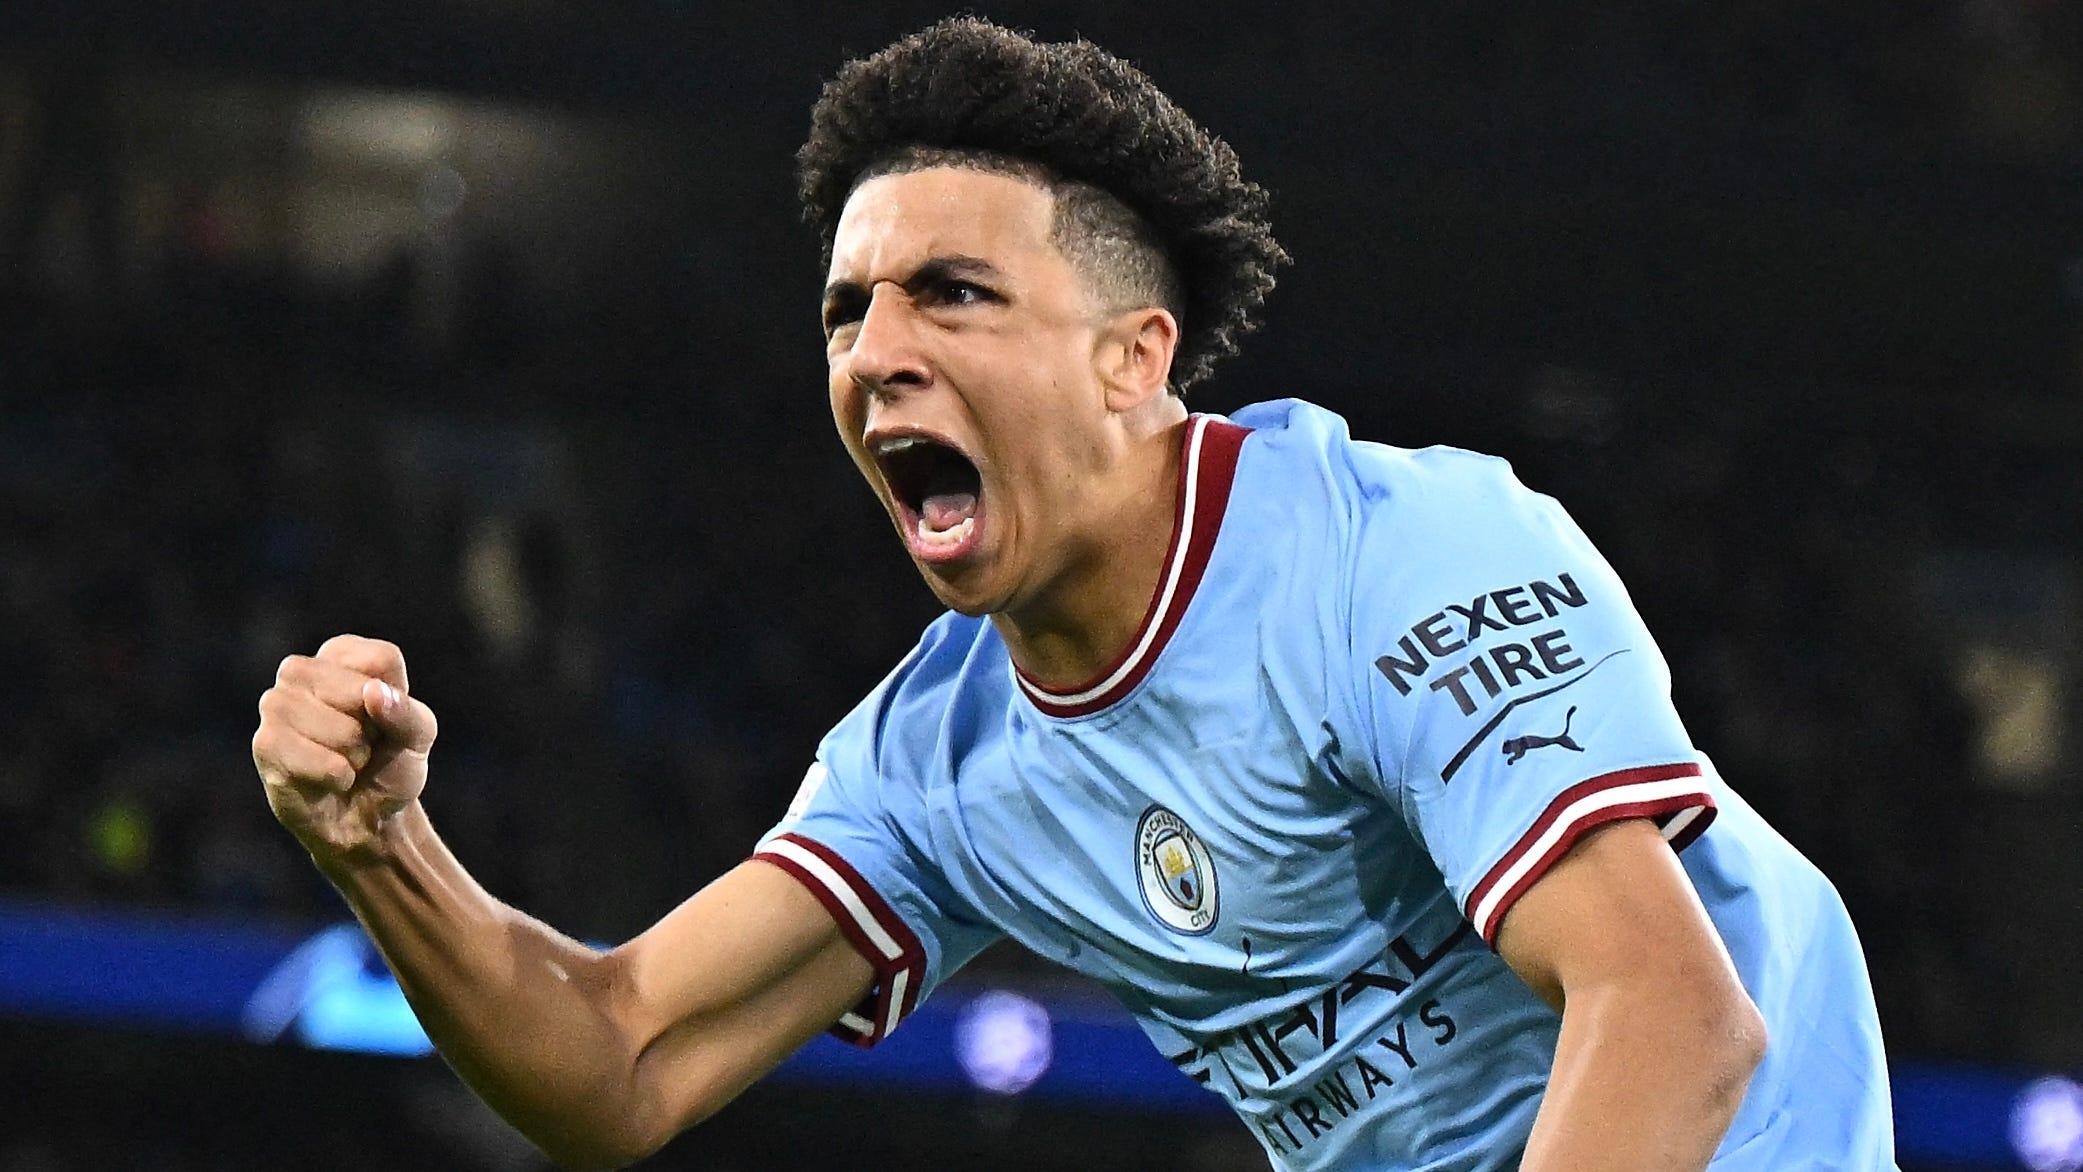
x,y
947,537
898,444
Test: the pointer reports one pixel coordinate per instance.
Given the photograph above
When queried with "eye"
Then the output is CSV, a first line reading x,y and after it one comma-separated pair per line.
x,y
841,311
953,292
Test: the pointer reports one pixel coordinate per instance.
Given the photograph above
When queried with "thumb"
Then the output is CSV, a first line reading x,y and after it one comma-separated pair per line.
x,y
401,719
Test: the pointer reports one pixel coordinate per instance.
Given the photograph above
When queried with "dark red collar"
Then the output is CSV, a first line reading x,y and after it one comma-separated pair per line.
x,y
1205,475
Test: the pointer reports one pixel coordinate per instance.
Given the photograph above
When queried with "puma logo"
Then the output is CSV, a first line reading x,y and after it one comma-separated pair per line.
x,y
1518,747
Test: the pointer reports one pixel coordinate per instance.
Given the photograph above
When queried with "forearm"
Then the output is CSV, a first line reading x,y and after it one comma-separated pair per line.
x,y
1643,1080
598,1058
520,1011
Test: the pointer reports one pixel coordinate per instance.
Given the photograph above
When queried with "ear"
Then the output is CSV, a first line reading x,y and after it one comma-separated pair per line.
x,y
1135,356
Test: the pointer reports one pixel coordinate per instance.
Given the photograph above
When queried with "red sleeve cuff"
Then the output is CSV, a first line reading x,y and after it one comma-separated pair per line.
x,y
1676,796
871,926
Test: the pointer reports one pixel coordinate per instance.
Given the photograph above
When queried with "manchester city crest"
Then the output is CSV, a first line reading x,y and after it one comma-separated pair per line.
x,y
1177,873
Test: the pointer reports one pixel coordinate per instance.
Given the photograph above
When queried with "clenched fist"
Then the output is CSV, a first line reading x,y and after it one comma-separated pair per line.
x,y
342,744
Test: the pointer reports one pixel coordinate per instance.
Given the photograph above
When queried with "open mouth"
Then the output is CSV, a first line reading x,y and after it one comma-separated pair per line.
x,y
938,491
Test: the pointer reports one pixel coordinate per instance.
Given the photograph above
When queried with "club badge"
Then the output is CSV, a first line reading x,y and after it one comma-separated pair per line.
x,y
1177,873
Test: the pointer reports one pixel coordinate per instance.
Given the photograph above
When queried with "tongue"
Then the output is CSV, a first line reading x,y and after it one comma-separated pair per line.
x,y
945,510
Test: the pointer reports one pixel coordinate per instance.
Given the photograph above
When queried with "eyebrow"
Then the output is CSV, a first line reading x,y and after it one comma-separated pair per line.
x,y
935,269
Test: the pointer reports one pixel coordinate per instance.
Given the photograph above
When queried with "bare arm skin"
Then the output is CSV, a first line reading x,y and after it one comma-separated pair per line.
x,y
1659,1039
598,1057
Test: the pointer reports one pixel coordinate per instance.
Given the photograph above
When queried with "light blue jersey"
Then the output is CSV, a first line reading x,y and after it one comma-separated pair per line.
x,y
1378,693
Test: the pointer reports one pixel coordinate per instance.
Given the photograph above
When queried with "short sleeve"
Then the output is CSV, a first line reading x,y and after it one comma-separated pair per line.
x,y
856,848
1512,698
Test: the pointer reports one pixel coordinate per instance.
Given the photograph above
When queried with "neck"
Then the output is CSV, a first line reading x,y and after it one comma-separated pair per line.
x,y
1086,618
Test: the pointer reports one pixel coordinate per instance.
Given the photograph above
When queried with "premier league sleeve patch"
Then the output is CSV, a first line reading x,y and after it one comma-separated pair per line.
x,y
1177,873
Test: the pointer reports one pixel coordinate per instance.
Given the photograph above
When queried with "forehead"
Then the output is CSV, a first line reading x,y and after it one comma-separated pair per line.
x,y
892,223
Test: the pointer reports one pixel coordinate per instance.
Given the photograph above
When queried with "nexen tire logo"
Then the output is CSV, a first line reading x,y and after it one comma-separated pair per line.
x,y
1177,873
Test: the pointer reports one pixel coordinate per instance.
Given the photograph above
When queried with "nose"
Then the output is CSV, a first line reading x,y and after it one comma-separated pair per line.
x,y
886,356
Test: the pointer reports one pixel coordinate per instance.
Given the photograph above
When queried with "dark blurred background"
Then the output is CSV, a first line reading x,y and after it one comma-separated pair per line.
x,y
488,326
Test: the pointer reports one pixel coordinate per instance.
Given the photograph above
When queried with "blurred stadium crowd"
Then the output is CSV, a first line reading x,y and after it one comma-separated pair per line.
x,y
165,544
637,581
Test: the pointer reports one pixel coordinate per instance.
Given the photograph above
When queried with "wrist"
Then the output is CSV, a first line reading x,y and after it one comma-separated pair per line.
x,y
397,834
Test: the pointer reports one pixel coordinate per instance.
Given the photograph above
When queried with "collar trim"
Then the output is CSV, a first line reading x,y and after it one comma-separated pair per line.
x,y
1205,476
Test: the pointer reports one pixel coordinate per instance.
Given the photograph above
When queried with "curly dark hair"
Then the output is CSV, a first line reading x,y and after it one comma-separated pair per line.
x,y
1132,174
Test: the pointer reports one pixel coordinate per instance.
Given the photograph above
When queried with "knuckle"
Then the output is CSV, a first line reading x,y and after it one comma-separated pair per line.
x,y
292,667
272,772
282,707
340,645
362,653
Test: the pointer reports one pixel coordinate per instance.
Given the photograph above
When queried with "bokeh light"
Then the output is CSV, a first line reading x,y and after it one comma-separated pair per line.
x,y
1004,1041
2047,1125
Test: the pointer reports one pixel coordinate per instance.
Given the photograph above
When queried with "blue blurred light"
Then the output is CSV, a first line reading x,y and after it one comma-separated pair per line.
x,y
126,968
1004,1041
1953,1115
2047,1125
332,994
328,989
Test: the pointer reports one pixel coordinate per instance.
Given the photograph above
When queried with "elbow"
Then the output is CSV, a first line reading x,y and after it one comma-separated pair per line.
x,y
587,1159
1754,1036
601,1152
620,1132
594,1153
1747,1034
635,1132
1740,1039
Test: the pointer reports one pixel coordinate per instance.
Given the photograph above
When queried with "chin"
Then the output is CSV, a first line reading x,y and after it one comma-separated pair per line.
x,y
962,597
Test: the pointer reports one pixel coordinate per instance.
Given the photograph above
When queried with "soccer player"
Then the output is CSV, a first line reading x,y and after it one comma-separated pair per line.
x,y
1351,770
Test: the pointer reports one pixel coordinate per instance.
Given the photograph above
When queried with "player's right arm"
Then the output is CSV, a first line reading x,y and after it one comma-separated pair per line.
x,y
598,1057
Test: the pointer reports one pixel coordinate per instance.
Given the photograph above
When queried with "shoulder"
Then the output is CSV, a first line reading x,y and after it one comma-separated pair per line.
x,y
1292,439
1425,509
887,734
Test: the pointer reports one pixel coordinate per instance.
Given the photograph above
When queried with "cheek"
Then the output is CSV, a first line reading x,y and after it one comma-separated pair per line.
x,y
849,402
849,417
1051,459
1048,439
